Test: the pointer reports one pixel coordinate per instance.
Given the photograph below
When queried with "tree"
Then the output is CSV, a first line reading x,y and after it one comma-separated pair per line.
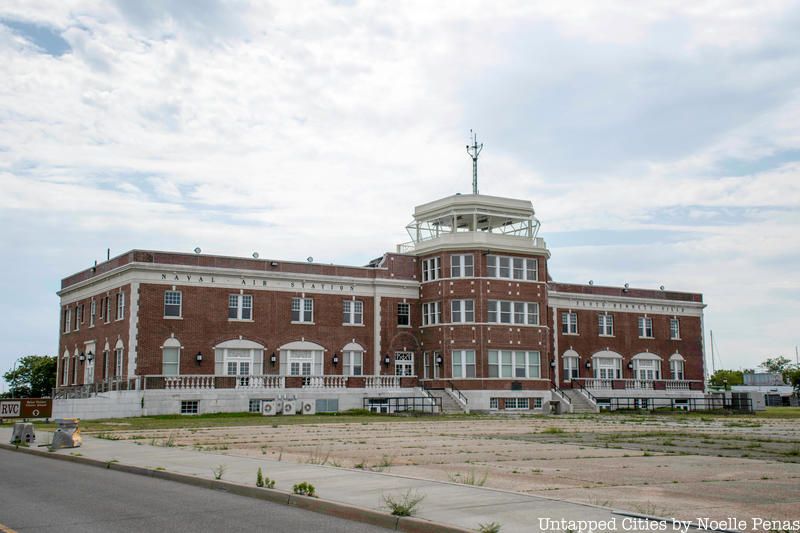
x,y
722,378
776,365
34,377
792,377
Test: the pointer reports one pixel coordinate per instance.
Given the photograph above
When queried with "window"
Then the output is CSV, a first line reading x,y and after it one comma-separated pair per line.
x,y
431,269
65,369
524,313
512,268
120,305
493,403
79,318
463,363
301,362
92,313
255,406
517,364
239,362
607,367
303,310
645,327
571,368
569,323
537,403
462,311
172,304
676,368
517,403
605,323
403,314
171,354
431,313
353,363
107,308
404,363
118,357
67,319
674,329
647,369
189,407
461,266
240,307
353,311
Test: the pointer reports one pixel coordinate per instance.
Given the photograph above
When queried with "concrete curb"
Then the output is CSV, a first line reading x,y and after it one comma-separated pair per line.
x,y
317,505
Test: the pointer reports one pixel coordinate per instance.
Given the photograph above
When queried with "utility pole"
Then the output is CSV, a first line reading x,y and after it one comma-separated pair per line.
x,y
474,150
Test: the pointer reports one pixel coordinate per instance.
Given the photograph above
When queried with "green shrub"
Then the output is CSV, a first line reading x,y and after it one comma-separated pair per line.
x,y
403,504
493,527
259,478
304,488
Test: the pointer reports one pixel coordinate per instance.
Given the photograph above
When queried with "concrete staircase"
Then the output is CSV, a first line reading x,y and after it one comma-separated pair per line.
x,y
449,404
580,403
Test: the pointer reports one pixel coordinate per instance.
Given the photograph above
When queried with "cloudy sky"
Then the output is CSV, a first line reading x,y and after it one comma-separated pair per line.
x,y
658,141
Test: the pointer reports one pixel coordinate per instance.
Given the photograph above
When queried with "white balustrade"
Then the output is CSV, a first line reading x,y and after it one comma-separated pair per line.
x,y
382,382
261,382
325,382
188,382
595,383
676,384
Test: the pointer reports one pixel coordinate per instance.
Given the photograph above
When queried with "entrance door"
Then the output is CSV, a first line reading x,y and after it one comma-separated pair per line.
x,y
570,368
404,363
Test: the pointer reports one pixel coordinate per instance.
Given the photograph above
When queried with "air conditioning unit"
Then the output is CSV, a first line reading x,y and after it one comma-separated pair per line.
x,y
289,407
278,406
308,407
269,407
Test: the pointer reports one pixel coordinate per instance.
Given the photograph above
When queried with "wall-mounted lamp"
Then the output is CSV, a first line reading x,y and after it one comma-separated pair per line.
x,y
588,364
90,356
273,359
439,360
335,359
82,357
386,360
273,263
199,358
630,365
552,363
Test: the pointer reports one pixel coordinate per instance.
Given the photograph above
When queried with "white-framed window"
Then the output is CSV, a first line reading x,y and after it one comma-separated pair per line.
x,y
462,266
75,367
431,313
462,311
118,358
404,363
107,309
676,367
190,407
537,403
77,317
504,312
172,304
171,357
571,368
463,363
431,269
303,310
120,305
403,314
569,323
301,363
67,319
647,369
674,329
353,363
517,403
645,327
607,368
240,307
254,406
106,364
353,312
493,403
92,313
239,362
65,368
514,364
605,323
520,268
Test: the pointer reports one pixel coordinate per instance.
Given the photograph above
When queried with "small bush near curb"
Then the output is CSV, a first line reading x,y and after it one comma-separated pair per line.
x,y
493,527
305,489
264,482
218,471
403,504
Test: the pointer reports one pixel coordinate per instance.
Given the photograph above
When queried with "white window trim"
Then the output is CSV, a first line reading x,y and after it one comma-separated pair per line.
x,y
302,311
459,261
641,324
347,362
570,323
180,305
67,319
675,320
431,269
462,311
431,313
493,263
92,313
171,343
528,365
351,314
120,306
463,365
529,309
240,307
407,313
607,320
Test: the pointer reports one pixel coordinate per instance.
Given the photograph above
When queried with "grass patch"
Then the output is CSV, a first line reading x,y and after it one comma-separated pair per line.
x,y
404,504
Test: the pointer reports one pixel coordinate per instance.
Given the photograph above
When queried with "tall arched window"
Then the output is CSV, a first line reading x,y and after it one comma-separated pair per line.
x,y
353,356
75,368
301,358
676,366
239,357
171,357
571,365
119,353
646,366
65,367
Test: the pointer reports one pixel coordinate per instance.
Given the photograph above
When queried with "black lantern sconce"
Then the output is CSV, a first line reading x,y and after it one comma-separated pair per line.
x,y
386,360
439,359
335,359
90,356
630,365
273,359
552,363
82,357
588,364
199,358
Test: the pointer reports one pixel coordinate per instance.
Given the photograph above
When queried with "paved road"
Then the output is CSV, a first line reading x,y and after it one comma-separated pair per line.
x,y
40,494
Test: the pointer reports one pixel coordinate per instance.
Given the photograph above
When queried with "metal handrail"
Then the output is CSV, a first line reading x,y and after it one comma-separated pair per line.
x,y
458,393
587,393
561,393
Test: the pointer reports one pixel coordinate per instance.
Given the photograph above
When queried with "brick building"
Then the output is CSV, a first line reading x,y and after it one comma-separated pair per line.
x,y
465,314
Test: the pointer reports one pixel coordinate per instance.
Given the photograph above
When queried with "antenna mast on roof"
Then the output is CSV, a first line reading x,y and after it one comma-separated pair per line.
x,y
474,150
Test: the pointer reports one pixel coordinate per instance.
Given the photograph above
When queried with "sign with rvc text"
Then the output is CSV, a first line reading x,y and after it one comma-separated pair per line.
x,y
26,408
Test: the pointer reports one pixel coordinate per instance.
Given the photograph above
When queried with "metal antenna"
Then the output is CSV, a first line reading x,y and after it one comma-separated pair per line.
x,y
474,150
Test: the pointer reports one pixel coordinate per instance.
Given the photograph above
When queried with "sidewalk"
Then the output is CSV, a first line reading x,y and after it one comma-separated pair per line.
x,y
458,505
